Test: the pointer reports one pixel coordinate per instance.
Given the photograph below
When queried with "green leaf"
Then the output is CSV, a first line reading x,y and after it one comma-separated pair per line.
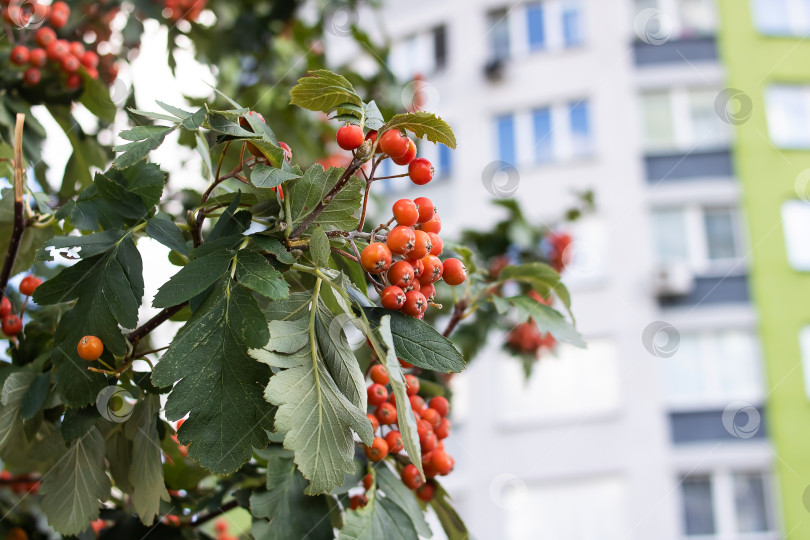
x,y
145,139
34,398
287,514
73,488
32,238
380,518
205,154
452,524
219,384
339,357
547,319
228,124
423,125
274,247
314,415
322,91
264,176
418,343
11,424
373,117
231,222
96,97
89,244
308,191
541,277
254,272
194,278
319,247
146,470
403,497
163,229
87,153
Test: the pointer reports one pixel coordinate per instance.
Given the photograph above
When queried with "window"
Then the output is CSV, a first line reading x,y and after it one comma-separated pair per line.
x,y
576,383
419,54
682,120
548,25
573,510
554,133
727,505
705,239
684,18
782,17
788,110
796,223
712,368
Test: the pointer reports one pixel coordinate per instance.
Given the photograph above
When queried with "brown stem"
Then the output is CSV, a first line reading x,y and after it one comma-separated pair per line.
x,y
213,514
154,322
19,217
365,206
455,318
321,206
341,252
20,479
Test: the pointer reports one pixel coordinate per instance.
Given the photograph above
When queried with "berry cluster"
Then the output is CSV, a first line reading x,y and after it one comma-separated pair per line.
x,y
526,338
12,323
60,57
189,10
432,425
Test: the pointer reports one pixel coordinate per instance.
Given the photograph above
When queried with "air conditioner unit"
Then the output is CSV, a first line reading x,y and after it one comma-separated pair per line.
x,y
674,279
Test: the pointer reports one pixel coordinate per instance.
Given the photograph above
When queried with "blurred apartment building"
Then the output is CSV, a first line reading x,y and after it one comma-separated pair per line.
x,y
687,416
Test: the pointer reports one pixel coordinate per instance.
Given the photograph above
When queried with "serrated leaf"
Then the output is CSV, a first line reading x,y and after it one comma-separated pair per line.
x,y
308,191
194,278
145,139
163,229
547,319
403,497
418,343
285,512
96,97
87,153
228,125
319,247
89,244
34,398
541,277
405,416
453,526
424,125
374,118
264,176
380,518
72,489
339,358
11,425
217,383
146,469
321,90
274,247
254,272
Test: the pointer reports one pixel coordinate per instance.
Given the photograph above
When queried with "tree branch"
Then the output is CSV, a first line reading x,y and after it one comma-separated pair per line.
x,y
19,217
154,322
455,318
213,514
321,206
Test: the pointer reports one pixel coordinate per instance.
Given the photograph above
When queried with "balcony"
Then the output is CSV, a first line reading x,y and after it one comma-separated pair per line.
x,y
664,167
681,51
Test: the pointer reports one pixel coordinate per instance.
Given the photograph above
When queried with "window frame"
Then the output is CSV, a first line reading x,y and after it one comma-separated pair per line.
x,y
681,120
797,20
553,28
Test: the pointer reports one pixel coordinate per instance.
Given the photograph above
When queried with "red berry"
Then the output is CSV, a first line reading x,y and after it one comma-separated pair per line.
x,y
32,76
375,423
420,171
56,50
454,272
409,155
400,274
377,394
418,404
221,526
426,491
19,55
287,150
442,431
411,477
428,442
394,143
90,348
434,225
400,239
350,137
29,284
367,482
393,298
440,405
44,36
433,270
378,449
60,13
442,462
412,385
372,136
404,364
89,59
394,440
437,243
428,290
415,304
358,501
38,57
423,427
76,49
379,375
405,212
387,414
5,307
421,246
432,417
417,265
12,325
73,81
375,258
426,209
70,64
414,286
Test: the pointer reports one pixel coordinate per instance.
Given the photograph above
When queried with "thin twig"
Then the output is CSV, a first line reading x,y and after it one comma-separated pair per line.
x,y
341,252
19,217
455,318
208,516
154,322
